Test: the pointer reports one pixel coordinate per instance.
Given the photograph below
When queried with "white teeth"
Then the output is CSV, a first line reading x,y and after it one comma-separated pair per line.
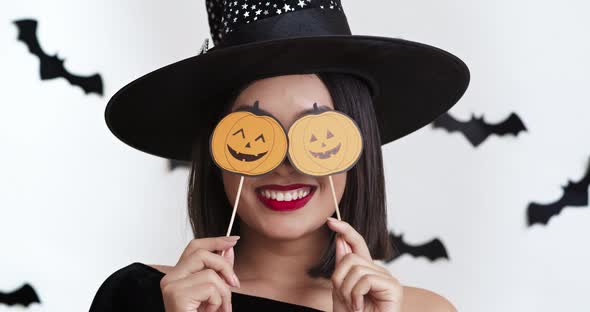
x,y
287,195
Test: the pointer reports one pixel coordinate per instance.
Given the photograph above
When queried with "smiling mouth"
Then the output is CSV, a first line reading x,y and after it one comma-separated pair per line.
x,y
285,198
326,154
244,157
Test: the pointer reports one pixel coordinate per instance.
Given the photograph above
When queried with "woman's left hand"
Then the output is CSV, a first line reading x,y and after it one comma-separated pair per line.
x,y
359,284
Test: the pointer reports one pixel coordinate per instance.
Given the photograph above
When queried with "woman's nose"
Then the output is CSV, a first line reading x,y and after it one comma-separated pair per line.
x,y
285,168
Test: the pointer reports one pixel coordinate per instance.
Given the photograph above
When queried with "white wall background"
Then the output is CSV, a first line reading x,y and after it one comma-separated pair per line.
x,y
77,204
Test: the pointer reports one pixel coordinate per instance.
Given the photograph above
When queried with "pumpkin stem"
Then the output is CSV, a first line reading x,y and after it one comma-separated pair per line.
x,y
315,108
256,106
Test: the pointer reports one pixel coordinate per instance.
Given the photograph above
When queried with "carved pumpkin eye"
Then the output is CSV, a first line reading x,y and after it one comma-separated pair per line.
x,y
313,138
242,131
329,135
260,137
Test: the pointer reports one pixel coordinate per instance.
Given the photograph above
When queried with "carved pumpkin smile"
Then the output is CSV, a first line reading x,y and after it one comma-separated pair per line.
x,y
327,154
244,157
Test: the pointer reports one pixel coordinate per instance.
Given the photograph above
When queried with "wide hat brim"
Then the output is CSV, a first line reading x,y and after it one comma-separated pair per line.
x,y
161,112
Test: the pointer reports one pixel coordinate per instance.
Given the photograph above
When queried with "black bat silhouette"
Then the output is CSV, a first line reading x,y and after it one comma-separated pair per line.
x,y
52,66
25,295
574,195
173,164
433,249
476,130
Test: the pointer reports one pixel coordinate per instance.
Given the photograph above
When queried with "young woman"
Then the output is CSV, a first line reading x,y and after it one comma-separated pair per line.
x,y
295,260
286,55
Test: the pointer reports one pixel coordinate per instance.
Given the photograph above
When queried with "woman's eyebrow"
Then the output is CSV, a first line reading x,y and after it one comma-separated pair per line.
x,y
249,107
321,108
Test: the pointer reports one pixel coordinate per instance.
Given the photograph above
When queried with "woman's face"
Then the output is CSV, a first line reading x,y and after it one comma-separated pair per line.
x,y
284,203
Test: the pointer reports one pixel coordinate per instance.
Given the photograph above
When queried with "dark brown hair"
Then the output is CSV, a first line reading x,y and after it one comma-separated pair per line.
x,y
209,210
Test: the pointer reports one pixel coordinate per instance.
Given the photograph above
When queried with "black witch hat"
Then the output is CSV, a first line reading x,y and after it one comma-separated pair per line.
x,y
411,83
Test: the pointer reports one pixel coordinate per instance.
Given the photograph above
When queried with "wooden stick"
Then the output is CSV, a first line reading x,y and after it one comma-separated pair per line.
x,y
233,214
335,200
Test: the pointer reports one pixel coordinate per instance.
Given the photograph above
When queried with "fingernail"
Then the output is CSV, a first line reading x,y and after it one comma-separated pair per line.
x,y
233,281
356,305
231,243
333,219
231,238
236,281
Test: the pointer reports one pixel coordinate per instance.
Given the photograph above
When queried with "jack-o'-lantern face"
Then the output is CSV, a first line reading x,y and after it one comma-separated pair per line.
x,y
324,143
247,143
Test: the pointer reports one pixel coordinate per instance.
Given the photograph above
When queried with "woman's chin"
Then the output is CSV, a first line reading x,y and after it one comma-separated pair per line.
x,y
284,225
285,228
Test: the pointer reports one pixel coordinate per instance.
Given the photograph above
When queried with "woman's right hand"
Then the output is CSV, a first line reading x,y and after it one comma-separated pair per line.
x,y
201,279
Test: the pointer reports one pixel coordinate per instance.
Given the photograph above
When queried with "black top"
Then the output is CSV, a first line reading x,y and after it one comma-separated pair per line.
x,y
136,287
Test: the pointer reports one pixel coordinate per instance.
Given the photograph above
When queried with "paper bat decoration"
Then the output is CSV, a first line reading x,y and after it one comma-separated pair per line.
x,y
432,250
52,66
476,130
574,195
25,295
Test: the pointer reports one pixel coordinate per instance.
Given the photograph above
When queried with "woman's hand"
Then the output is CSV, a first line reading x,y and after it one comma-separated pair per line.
x,y
359,284
201,278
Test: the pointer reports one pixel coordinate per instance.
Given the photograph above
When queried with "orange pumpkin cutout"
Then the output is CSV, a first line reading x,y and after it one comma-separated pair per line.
x,y
248,142
324,143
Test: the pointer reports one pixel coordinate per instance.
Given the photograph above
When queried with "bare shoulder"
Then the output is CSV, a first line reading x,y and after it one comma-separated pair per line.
x,y
420,299
162,268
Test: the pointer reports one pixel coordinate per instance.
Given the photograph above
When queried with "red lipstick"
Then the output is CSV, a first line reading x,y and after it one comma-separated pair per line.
x,y
284,205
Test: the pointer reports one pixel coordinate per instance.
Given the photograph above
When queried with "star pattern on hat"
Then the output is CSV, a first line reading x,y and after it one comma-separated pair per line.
x,y
225,15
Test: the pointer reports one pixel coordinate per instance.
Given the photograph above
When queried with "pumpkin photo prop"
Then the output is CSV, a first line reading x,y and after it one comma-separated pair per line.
x,y
324,143
249,143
